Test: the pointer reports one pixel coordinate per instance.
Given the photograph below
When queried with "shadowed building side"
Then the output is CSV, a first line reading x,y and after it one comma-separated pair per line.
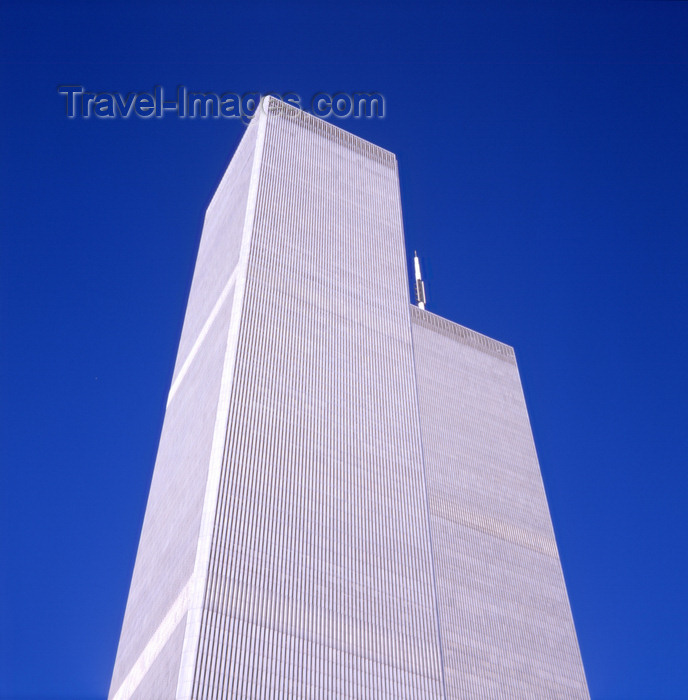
x,y
148,656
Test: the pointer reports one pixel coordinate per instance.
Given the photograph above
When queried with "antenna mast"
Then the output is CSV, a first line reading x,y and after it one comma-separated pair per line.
x,y
420,286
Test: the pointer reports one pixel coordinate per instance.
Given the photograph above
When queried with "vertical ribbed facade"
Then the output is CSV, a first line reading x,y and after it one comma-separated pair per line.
x,y
295,542
505,620
320,580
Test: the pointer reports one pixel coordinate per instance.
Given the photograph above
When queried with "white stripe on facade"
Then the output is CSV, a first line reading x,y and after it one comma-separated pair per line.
x,y
199,578
155,645
201,336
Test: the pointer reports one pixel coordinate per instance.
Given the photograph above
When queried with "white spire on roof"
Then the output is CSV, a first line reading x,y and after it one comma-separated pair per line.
x,y
420,286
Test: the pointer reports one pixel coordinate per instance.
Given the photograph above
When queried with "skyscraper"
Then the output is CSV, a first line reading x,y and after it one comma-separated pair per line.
x,y
346,500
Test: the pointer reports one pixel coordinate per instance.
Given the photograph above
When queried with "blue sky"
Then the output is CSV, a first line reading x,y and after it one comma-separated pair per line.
x,y
543,161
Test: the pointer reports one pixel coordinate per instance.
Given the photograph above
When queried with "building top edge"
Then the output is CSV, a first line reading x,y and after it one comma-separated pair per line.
x,y
275,107
455,331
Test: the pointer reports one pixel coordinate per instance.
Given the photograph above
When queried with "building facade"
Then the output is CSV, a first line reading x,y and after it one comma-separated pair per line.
x,y
346,501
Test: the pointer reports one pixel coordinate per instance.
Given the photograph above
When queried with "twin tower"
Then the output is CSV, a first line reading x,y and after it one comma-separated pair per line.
x,y
346,501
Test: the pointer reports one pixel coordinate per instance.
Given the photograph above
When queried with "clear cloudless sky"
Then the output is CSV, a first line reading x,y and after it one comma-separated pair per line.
x,y
543,155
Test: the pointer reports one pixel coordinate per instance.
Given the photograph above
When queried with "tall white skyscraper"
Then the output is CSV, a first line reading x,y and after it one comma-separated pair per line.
x,y
346,500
